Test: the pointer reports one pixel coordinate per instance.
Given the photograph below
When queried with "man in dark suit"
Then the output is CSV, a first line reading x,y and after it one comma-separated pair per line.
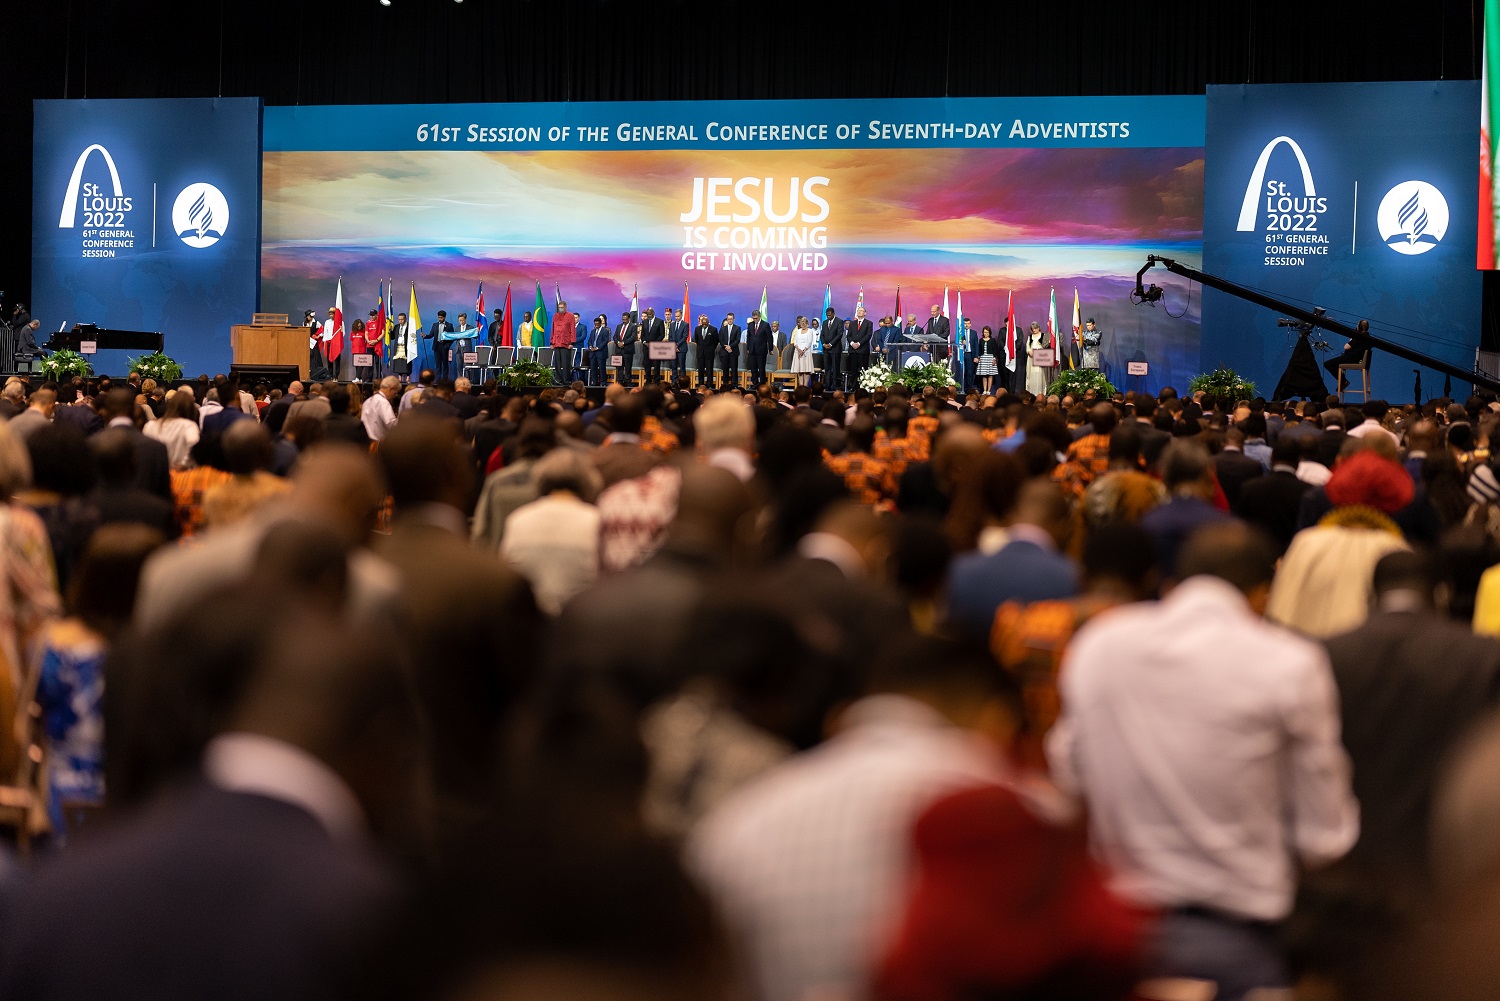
x,y
496,332
1030,568
1233,467
857,335
269,836
621,456
653,331
598,344
1153,439
678,331
442,351
757,346
832,336
117,497
1335,433
937,327
623,344
152,466
1273,501
706,342
729,351
464,400
1411,682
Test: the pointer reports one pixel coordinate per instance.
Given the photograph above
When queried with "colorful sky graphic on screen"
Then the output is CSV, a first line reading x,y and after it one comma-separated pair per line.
x,y
599,224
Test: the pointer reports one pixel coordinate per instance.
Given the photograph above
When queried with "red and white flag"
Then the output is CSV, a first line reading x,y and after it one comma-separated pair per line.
x,y
1010,331
335,345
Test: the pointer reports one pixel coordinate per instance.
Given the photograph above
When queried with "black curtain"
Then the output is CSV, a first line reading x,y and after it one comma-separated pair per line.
x,y
421,51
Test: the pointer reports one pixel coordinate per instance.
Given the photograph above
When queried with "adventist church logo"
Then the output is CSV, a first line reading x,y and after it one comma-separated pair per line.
x,y
1413,217
200,215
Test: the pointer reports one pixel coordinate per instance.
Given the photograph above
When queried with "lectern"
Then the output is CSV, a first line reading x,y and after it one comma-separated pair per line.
x,y
275,343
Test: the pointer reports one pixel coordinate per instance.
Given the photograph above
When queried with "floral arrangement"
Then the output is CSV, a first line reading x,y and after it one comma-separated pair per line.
x,y
915,377
1076,382
156,366
877,376
526,375
61,365
1224,383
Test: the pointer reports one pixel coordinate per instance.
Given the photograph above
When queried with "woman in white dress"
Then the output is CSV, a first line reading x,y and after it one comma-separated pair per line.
x,y
802,352
1036,376
178,429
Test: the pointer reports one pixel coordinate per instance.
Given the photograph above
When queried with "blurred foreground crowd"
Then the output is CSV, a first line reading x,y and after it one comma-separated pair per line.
x,y
455,693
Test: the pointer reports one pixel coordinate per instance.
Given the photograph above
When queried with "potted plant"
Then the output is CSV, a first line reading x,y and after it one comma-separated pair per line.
x,y
1224,383
156,366
60,365
1076,382
527,375
877,376
934,373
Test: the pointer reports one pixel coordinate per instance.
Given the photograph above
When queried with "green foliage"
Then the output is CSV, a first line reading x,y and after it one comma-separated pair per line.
x,y
1224,383
156,366
527,374
919,377
1077,381
66,364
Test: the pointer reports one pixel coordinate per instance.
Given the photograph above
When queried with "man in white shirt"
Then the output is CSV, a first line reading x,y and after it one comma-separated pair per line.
x,y
1374,412
1205,744
809,864
377,414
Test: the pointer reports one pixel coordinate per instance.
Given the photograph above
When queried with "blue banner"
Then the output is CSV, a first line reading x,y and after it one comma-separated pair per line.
x,y
146,216
912,123
1358,198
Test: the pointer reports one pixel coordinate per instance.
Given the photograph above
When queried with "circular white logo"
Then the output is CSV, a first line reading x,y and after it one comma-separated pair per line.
x,y
1413,217
201,215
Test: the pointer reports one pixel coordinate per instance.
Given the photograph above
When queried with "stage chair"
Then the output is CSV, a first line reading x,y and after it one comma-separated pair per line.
x,y
1363,368
482,353
543,357
522,353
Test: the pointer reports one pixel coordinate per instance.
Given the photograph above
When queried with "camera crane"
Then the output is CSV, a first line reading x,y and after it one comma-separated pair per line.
x,y
1318,318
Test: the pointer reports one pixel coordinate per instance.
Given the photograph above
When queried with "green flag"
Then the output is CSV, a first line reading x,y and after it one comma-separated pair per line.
x,y
539,318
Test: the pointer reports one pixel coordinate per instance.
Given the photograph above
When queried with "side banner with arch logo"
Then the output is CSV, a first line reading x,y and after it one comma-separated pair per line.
x,y
1359,198
146,216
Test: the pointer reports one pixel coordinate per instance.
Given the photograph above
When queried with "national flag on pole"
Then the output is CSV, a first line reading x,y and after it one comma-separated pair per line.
x,y
765,313
480,319
336,345
413,334
1010,330
635,302
507,328
945,313
1052,323
377,337
539,320
1076,349
960,332
900,320
861,301
687,309
827,299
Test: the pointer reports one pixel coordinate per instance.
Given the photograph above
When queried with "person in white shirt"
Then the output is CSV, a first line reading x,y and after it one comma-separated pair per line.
x,y
1205,744
376,414
554,541
809,864
1374,412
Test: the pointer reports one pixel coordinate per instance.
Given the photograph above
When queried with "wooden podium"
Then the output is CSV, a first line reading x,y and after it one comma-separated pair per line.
x,y
270,345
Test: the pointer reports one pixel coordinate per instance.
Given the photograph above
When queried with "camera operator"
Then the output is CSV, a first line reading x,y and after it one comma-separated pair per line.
x,y
1353,354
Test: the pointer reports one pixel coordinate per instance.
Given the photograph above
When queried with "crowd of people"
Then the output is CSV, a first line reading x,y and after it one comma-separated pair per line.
x,y
788,694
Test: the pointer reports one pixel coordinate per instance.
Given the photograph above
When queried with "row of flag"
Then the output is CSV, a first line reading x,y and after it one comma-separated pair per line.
x,y
383,343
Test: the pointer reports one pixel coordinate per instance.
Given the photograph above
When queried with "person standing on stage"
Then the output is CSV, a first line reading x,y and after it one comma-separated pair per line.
x,y
802,351
359,344
440,348
938,328
885,335
1091,355
1036,376
653,331
986,361
322,369
462,342
564,336
525,333
729,351
857,335
706,341
626,335
403,347
599,350
833,349
679,334
757,346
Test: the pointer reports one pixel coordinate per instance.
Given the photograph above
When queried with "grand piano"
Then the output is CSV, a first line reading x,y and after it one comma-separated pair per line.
x,y
107,340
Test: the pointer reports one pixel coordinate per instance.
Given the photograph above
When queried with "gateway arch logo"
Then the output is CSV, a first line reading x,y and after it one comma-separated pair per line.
x,y
200,215
70,200
1412,218
1258,180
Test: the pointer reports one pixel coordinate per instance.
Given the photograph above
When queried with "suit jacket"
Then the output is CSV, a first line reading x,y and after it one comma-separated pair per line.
x,y
758,338
1154,441
467,405
1021,571
1172,523
122,915
707,338
861,331
1273,502
1329,445
653,330
84,418
438,327
624,461
937,325
677,330
1410,684
133,505
1234,469
153,468
729,337
832,335
625,336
